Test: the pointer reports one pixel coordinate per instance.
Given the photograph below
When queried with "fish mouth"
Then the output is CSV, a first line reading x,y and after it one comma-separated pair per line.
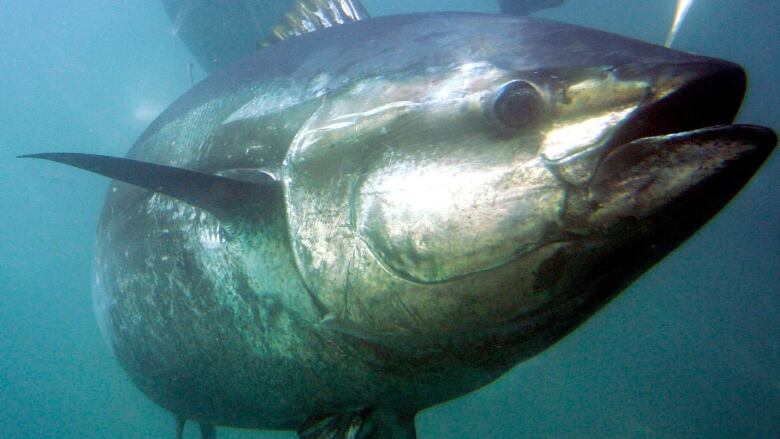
x,y
666,171
686,97
681,98
659,168
677,144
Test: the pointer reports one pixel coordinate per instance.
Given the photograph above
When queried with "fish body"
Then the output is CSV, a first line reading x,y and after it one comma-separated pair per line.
x,y
424,216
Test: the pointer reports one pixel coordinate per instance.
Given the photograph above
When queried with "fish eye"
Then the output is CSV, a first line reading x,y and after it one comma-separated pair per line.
x,y
518,105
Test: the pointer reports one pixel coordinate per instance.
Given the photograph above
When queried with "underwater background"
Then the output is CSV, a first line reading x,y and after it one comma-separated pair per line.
x,y
690,350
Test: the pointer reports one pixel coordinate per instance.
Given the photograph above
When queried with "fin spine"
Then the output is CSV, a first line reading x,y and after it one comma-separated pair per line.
x,y
312,15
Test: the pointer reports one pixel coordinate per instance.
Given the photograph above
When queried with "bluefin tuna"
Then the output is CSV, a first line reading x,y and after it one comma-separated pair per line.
x,y
363,221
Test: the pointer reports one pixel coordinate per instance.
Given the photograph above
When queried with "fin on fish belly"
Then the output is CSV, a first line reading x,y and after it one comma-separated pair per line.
x,y
207,431
364,424
223,196
180,427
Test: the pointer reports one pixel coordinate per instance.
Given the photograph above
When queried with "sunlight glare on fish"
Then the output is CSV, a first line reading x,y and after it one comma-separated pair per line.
x,y
683,6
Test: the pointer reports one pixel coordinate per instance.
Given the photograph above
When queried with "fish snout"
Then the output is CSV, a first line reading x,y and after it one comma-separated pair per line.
x,y
684,97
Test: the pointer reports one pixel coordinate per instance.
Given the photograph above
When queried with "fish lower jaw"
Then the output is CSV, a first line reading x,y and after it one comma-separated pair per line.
x,y
703,167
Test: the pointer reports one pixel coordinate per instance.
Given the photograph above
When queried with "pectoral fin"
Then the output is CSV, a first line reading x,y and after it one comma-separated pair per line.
x,y
224,197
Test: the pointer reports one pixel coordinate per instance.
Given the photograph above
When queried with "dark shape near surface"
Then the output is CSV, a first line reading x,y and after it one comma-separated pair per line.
x,y
347,228
525,7
218,33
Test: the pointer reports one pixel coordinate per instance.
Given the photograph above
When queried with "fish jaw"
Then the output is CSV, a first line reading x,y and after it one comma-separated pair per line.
x,y
646,176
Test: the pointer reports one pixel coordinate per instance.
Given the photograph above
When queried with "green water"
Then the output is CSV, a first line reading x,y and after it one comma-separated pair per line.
x,y
691,350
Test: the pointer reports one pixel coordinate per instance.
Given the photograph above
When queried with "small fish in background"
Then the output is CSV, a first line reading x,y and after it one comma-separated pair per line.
x,y
683,6
525,7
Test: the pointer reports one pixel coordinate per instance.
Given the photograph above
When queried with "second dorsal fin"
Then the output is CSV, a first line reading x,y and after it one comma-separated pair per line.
x,y
312,15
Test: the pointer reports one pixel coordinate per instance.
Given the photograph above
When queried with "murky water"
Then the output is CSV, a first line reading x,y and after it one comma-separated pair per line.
x,y
691,350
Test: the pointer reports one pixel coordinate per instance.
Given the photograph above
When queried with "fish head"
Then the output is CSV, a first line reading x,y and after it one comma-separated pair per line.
x,y
513,185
